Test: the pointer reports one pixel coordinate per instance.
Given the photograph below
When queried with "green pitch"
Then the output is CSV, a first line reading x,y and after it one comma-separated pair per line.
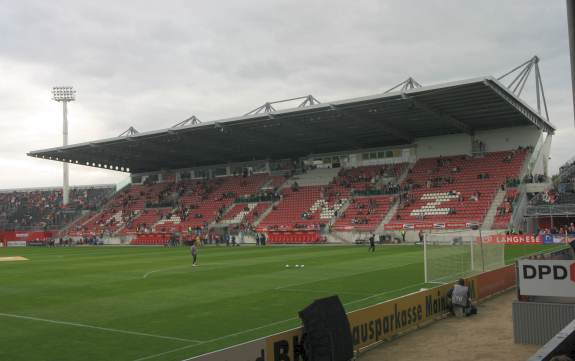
x,y
136,304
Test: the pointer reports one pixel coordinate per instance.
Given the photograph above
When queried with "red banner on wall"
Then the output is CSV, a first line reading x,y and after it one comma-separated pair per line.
x,y
25,235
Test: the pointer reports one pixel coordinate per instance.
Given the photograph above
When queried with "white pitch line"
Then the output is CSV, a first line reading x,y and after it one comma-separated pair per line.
x,y
383,293
75,324
208,265
166,352
264,326
321,291
163,269
214,339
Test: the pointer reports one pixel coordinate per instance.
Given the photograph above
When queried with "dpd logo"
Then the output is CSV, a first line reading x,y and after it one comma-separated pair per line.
x,y
544,271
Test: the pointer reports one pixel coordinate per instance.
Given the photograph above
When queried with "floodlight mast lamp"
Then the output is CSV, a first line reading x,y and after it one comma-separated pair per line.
x,y
64,94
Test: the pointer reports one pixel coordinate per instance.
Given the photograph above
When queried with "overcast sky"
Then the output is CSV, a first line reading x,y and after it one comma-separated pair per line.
x,y
151,64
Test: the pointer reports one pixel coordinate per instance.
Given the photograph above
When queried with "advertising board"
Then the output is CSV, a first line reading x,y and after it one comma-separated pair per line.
x,y
513,239
16,243
552,278
528,239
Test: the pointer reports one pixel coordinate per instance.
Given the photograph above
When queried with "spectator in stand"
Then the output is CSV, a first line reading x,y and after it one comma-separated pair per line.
x,y
295,186
475,196
44,209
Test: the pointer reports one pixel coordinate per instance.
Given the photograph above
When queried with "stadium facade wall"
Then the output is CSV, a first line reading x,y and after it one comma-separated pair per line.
x,y
427,147
495,140
348,159
508,138
541,167
374,324
400,155
444,145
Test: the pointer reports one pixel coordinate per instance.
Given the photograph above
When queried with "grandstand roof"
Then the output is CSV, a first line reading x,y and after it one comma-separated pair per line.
x,y
394,118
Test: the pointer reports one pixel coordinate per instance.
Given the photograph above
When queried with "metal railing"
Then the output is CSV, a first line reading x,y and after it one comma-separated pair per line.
x,y
563,343
551,210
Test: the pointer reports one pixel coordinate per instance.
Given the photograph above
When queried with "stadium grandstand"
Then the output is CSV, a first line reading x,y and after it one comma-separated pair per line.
x,y
442,157
553,210
43,209
455,167
305,228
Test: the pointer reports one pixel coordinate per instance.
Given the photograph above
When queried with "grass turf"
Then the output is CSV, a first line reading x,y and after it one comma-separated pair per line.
x,y
128,304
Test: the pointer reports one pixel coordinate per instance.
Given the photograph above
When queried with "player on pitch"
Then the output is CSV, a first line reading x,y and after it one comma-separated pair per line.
x,y
194,250
371,243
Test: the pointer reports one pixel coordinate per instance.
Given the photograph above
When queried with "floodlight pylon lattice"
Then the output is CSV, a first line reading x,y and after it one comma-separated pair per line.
x,y
522,73
130,132
64,94
405,85
193,120
268,107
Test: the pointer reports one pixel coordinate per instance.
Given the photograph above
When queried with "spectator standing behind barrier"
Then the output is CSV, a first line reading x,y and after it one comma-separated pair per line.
x,y
460,299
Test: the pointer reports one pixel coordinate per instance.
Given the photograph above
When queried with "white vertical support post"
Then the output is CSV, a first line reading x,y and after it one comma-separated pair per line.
x,y
66,185
471,244
482,252
425,259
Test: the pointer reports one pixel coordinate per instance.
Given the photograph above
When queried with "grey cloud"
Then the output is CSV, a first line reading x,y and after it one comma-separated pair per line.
x,y
152,64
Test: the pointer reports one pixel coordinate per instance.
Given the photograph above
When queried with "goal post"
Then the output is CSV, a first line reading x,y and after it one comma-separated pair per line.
x,y
450,255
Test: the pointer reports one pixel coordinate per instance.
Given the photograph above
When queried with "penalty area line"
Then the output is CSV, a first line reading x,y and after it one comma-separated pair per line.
x,y
81,325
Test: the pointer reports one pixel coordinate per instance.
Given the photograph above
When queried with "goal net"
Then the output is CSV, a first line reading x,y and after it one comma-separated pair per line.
x,y
448,256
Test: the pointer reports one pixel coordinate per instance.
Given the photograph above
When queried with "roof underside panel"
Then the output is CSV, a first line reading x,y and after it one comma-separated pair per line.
x,y
374,121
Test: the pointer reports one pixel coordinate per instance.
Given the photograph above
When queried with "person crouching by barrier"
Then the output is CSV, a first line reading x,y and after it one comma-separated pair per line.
x,y
460,299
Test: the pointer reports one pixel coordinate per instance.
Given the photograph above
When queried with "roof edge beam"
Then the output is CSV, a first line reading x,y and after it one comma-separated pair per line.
x,y
538,122
441,115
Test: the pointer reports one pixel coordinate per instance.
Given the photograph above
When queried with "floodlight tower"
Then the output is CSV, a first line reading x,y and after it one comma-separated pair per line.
x,y
64,94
